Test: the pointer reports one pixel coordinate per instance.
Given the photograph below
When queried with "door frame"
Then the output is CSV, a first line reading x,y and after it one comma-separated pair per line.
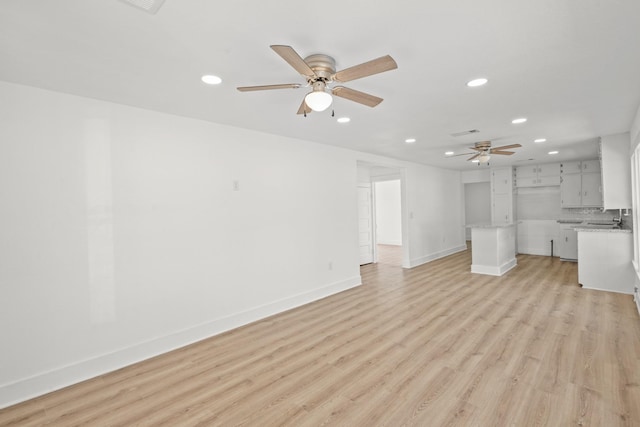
x,y
395,173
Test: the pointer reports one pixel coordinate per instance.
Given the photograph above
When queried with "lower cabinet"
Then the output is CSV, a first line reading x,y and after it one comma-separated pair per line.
x,y
604,261
568,244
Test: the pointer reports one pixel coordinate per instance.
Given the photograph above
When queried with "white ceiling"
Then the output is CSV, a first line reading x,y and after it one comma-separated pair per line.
x,y
571,67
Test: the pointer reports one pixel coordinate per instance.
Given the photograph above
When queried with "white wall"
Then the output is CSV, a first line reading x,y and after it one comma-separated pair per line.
x,y
122,237
388,212
477,204
434,212
476,175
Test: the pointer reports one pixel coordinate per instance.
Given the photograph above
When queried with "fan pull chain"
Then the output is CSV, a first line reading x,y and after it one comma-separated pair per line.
x,y
333,113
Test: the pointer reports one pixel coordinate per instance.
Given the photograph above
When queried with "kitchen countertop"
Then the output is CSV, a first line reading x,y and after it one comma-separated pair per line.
x,y
597,226
596,229
491,225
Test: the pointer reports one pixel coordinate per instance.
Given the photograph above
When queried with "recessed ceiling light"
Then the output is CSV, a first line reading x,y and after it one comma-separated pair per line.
x,y
477,82
540,140
475,161
211,79
519,120
449,153
344,120
553,152
410,140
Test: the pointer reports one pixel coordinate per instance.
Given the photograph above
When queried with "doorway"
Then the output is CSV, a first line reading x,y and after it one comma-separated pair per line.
x,y
388,221
381,225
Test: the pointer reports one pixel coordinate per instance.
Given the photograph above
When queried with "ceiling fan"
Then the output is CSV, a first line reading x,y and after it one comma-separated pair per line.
x,y
484,151
320,72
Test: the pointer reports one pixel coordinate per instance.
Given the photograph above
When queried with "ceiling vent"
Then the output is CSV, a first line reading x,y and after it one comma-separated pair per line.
x,y
150,6
466,132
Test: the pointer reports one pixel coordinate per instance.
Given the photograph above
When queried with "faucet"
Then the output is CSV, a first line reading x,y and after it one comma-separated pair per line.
x,y
618,220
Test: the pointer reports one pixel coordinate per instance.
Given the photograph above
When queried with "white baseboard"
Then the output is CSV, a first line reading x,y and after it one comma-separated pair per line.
x,y
494,270
432,257
607,290
64,376
636,297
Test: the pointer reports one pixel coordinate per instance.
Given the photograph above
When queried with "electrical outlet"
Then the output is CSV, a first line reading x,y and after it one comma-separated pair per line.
x,y
236,185
330,265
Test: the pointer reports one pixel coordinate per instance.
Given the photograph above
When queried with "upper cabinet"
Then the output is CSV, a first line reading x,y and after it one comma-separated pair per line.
x,y
616,171
580,184
538,175
502,200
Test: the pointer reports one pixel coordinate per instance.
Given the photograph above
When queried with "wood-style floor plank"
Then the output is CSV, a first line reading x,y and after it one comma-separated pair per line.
x,y
435,345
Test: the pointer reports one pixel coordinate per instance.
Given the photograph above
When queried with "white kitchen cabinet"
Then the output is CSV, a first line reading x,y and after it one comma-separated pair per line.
x,y
604,260
501,211
582,188
590,166
571,190
538,175
591,189
571,167
568,244
616,171
502,200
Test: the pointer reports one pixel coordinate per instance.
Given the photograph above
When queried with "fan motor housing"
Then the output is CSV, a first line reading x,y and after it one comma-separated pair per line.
x,y
323,65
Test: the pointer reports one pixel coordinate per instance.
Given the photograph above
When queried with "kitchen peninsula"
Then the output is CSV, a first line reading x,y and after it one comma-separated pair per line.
x,y
493,248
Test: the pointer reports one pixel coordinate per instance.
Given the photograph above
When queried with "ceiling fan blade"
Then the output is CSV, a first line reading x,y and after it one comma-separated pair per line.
x,y
291,56
506,147
269,87
474,157
463,154
504,153
357,96
375,66
304,108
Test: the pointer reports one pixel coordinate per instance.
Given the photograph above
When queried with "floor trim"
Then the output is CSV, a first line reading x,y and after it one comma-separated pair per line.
x,y
45,382
432,257
493,270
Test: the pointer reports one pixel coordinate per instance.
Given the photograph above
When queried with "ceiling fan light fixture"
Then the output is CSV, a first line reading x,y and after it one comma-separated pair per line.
x,y
318,100
484,157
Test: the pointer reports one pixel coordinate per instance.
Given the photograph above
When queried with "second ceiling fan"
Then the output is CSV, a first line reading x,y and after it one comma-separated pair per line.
x,y
484,151
320,73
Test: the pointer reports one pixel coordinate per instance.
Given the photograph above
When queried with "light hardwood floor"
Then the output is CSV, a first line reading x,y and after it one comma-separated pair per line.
x,y
431,346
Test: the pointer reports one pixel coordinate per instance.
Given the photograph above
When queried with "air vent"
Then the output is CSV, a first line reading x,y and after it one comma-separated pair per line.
x,y
150,6
466,132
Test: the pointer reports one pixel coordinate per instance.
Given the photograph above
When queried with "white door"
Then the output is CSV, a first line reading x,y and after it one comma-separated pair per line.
x,y
365,225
